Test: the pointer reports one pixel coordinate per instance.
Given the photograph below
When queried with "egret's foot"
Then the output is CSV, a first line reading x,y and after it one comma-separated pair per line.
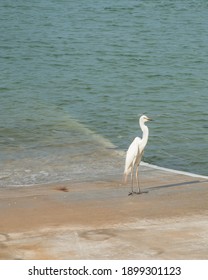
x,y
138,192
132,193
141,192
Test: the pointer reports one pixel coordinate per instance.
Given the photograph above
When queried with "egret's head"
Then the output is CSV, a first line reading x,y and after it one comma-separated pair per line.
x,y
144,119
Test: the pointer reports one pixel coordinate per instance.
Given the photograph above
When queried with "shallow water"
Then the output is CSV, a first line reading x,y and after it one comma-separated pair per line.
x,y
75,77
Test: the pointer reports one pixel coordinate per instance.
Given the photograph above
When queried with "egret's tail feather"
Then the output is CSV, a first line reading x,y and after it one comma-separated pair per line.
x,y
127,171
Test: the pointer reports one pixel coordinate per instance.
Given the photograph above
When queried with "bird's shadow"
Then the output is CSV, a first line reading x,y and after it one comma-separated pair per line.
x,y
167,186
176,185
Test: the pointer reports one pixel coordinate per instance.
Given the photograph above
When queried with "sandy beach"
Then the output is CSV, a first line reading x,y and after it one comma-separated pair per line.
x,y
98,220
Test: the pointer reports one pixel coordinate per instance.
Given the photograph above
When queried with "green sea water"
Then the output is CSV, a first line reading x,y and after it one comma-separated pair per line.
x,y
75,75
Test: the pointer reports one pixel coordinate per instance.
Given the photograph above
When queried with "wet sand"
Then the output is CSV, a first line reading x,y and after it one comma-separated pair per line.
x,y
98,220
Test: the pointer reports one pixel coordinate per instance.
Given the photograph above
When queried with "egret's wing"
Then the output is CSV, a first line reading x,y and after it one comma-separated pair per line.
x,y
132,154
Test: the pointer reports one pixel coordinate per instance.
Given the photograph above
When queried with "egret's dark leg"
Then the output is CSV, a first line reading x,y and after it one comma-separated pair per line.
x,y
137,179
132,181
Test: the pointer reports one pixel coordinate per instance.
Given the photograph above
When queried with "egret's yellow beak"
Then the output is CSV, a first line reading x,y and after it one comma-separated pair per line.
x,y
149,119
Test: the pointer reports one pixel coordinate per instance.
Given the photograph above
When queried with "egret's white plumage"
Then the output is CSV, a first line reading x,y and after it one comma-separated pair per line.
x,y
135,152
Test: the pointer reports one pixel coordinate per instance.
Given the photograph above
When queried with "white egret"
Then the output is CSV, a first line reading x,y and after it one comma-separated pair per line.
x,y
134,154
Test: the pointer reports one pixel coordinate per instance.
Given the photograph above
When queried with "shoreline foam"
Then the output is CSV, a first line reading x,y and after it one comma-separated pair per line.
x,y
173,170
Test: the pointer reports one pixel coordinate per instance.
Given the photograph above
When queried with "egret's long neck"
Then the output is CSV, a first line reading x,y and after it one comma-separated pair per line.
x,y
145,135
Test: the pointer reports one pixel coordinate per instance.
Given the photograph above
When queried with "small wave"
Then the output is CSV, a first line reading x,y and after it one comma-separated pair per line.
x,y
87,155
